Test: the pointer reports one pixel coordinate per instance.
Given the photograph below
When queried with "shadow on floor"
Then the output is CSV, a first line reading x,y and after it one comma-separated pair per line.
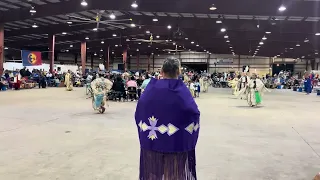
x,y
248,107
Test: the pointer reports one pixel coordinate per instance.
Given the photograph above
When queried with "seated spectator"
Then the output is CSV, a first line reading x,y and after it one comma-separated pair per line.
x,y
57,82
3,84
132,89
118,87
132,82
145,82
28,73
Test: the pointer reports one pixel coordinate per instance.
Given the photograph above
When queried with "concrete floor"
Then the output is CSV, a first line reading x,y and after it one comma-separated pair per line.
x,y
52,134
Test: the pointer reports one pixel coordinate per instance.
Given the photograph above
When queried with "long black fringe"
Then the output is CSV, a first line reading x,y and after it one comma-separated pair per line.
x,y
167,166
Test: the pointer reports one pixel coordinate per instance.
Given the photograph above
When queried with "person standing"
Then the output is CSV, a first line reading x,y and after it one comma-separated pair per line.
x,y
167,119
139,83
307,84
68,81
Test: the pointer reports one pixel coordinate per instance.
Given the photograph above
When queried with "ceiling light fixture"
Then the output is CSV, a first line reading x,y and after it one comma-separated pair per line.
x,y
112,16
84,3
268,32
264,38
197,45
101,50
306,40
223,29
69,22
298,45
35,25
139,43
192,42
95,54
6,48
158,37
114,35
95,29
226,36
64,33
116,45
218,21
186,38
169,27
134,4
213,7
317,34
155,20
316,53
32,10
261,43
282,8
87,38
67,50
71,45
291,48
148,32
227,41
133,25
102,42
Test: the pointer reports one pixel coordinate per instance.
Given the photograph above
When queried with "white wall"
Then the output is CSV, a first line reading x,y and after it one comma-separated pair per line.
x,y
16,65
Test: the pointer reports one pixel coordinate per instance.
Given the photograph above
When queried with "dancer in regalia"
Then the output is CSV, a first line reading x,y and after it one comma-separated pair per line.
x,y
167,118
68,81
100,87
205,81
253,91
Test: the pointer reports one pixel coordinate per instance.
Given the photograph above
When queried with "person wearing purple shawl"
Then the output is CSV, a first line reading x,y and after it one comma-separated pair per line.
x,y
167,118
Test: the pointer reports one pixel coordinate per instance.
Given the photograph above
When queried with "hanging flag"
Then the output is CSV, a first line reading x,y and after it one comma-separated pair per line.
x,y
31,58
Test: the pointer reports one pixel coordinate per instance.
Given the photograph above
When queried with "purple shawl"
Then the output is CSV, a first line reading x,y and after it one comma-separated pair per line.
x,y
167,117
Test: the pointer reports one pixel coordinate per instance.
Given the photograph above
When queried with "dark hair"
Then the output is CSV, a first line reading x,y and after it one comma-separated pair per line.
x,y
132,78
147,76
171,67
119,79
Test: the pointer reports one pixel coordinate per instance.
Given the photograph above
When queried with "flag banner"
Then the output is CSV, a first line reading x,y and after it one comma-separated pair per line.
x,y
31,58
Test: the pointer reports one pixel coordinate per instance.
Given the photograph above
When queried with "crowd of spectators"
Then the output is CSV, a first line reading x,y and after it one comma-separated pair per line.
x,y
26,79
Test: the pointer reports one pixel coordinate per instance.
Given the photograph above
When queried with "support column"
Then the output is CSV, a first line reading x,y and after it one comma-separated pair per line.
x,y
1,48
313,64
108,59
52,39
153,62
239,67
91,58
148,67
76,59
83,56
138,59
124,57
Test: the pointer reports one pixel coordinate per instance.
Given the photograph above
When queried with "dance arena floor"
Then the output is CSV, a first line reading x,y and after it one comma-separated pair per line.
x,y
52,134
